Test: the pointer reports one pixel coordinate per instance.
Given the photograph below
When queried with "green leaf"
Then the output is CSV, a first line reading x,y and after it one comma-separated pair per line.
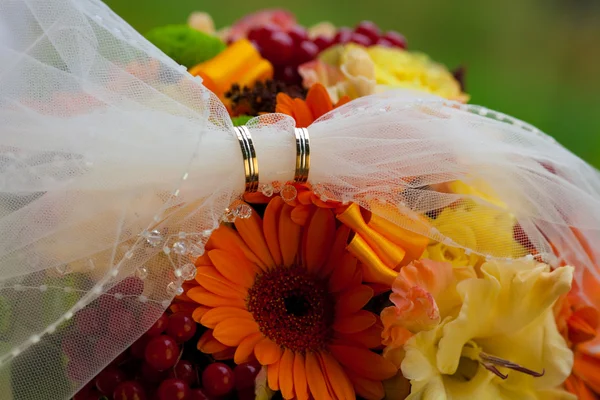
x,y
262,390
241,120
185,45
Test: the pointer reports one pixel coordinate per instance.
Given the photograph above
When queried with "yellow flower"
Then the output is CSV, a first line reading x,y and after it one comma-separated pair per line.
x,y
502,344
355,71
474,226
404,69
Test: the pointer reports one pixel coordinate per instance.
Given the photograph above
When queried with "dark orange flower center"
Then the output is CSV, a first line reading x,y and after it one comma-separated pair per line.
x,y
292,308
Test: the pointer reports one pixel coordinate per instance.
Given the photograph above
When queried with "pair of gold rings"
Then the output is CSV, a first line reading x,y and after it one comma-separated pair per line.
x,y
251,162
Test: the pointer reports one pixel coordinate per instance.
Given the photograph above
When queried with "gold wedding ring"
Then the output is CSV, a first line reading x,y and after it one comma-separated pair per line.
x,y
249,155
302,155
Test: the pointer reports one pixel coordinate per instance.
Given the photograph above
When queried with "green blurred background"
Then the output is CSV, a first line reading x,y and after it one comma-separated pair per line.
x,y
538,60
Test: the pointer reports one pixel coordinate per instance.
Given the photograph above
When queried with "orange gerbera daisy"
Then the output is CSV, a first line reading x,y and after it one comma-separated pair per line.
x,y
292,296
305,112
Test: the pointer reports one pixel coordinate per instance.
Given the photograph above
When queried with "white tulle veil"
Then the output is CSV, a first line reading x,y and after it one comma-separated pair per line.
x,y
111,153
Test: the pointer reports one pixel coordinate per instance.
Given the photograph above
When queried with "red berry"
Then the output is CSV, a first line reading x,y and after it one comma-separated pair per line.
x,y
278,48
129,286
198,394
161,352
217,379
298,34
368,29
129,390
289,75
174,389
261,33
342,36
138,348
185,371
109,379
396,38
361,39
245,374
181,327
384,42
119,359
121,321
87,321
152,375
323,42
159,326
306,51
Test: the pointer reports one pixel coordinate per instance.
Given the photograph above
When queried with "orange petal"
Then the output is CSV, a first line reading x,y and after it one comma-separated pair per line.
x,y
209,345
238,270
284,104
273,375
363,362
305,197
206,298
318,100
351,300
354,323
316,378
246,348
226,354
270,227
211,280
345,274
300,214
300,384
337,251
289,236
286,374
218,314
340,382
318,239
233,330
251,230
369,338
199,312
225,238
587,367
302,114
343,100
366,388
267,352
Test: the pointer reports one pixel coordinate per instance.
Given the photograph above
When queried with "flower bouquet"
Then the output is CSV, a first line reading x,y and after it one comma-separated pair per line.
x,y
273,211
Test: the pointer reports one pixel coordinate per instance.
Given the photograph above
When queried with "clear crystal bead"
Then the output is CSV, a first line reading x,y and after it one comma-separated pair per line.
x,y
288,193
267,189
197,250
228,216
188,271
141,272
182,235
63,269
243,211
174,289
180,247
129,254
206,233
276,187
154,238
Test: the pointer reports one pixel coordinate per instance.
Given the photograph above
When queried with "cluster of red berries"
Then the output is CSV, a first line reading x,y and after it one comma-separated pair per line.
x,y
164,364
287,49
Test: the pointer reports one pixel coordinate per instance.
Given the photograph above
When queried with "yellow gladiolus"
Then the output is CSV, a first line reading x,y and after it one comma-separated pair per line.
x,y
502,344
